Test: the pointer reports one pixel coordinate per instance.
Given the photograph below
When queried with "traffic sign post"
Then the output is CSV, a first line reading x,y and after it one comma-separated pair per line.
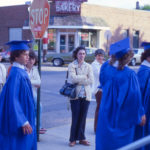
x,y
39,17
39,21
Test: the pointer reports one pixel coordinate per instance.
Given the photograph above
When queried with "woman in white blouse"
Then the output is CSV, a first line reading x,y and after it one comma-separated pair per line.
x,y
80,73
35,81
2,74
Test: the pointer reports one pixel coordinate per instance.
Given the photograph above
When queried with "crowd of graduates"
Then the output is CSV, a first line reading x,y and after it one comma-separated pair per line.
x,y
122,115
124,109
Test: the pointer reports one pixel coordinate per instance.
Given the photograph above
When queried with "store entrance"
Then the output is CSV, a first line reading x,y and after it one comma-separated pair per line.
x,y
67,42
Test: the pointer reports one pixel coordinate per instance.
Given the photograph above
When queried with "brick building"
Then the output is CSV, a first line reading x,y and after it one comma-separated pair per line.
x,y
94,26
12,20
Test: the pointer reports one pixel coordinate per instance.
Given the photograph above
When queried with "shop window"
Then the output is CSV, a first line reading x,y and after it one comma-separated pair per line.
x,y
85,39
52,39
135,39
93,39
88,38
125,33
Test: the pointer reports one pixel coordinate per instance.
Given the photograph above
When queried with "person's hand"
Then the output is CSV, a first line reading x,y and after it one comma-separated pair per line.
x,y
27,129
143,120
37,86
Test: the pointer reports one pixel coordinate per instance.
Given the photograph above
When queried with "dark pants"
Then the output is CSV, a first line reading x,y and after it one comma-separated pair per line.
x,y
79,109
98,97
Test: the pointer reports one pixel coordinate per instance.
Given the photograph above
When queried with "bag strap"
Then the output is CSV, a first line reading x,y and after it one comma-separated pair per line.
x,y
68,75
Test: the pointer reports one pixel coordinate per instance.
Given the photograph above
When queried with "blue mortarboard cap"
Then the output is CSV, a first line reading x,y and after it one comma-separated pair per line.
x,y
18,45
146,45
120,48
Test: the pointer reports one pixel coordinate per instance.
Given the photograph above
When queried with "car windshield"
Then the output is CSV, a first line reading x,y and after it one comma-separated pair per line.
x,y
88,50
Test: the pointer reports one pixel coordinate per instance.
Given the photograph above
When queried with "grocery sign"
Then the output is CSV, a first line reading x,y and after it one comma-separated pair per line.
x,y
68,6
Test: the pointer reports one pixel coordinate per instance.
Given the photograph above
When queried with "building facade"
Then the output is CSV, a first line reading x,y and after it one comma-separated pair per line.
x,y
12,20
93,26
122,23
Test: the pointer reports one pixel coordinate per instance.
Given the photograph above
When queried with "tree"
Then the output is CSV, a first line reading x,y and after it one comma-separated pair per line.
x,y
120,33
145,7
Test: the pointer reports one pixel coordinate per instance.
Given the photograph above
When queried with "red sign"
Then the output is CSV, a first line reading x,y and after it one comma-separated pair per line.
x,y
68,6
85,36
39,17
50,36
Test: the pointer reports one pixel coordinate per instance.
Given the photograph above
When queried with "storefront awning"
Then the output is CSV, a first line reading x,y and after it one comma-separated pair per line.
x,y
76,22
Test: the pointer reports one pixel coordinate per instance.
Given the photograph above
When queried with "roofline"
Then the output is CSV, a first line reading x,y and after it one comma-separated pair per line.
x,y
73,27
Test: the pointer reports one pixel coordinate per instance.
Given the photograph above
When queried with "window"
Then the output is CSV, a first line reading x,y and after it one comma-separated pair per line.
x,y
85,39
135,39
88,38
125,33
15,34
52,39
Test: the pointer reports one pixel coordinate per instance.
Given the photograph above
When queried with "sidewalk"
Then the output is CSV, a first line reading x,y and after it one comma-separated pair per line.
x,y
57,138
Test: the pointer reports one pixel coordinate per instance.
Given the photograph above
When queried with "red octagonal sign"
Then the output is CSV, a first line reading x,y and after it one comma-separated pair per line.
x,y
39,17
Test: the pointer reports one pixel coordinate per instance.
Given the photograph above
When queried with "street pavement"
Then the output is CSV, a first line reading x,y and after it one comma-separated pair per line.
x,y
57,138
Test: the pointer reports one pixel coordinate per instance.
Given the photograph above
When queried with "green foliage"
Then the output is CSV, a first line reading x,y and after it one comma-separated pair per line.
x,y
146,7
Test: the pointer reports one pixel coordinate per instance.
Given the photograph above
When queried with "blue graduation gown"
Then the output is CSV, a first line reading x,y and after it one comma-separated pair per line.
x,y
144,81
120,108
17,107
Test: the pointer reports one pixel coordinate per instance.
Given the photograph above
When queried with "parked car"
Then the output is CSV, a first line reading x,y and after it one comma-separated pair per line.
x,y
5,56
59,59
137,56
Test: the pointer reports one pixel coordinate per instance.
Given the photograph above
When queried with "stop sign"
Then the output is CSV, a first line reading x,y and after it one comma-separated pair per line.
x,y
39,17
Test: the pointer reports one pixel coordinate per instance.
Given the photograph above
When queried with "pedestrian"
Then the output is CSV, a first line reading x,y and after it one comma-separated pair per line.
x,y
35,81
2,74
96,66
144,81
121,107
80,73
17,117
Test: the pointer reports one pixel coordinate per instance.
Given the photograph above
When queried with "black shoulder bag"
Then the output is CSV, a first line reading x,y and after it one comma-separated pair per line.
x,y
68,89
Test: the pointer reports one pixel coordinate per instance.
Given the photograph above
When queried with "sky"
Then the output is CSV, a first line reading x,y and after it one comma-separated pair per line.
x,y
127,4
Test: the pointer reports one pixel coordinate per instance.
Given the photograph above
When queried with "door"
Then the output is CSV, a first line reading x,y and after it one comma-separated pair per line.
x,y
67,42
71,42
63,43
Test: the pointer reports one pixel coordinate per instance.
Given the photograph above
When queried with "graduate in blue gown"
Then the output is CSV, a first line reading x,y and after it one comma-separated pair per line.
x,y
121,108
144,81
17,118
